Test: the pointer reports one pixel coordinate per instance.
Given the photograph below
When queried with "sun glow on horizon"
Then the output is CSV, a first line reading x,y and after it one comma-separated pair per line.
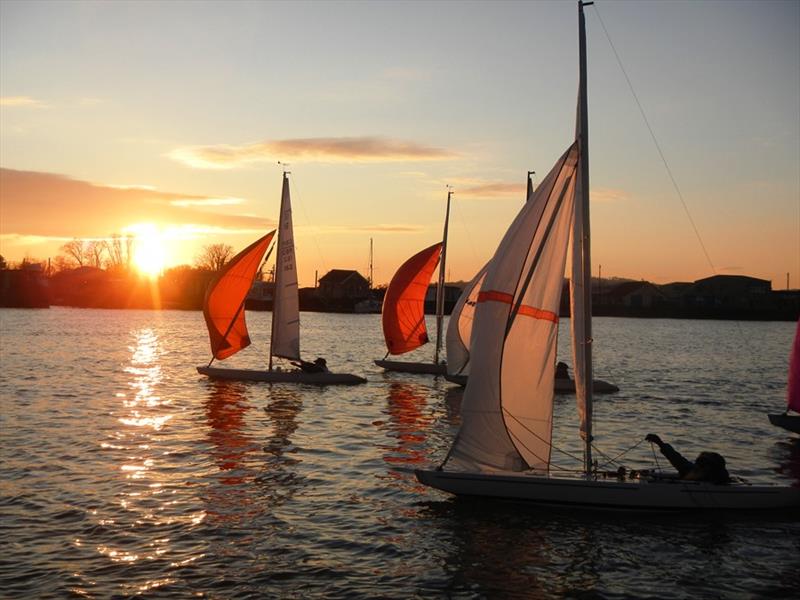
x,y
149,254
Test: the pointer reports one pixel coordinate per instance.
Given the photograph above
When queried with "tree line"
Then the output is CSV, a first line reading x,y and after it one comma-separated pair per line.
x,y
114,254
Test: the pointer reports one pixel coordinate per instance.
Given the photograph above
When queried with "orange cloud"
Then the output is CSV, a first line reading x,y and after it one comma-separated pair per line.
x,y
343,149
348,229
492,190
54,206
26,101
206,201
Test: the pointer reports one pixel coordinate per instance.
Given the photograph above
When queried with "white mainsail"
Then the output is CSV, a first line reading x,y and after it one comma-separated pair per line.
x,y
459,328
508,404
286,309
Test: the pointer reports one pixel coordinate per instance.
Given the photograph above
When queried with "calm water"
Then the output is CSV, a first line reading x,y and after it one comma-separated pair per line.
x,y
124,473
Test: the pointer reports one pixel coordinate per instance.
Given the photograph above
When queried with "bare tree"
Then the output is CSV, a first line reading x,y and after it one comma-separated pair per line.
x,y
119,251
94,252
62,263
129,243
213,257
114,251
76,251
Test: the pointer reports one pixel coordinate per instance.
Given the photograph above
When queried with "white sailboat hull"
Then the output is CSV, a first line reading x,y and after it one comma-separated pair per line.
x,y
413,367
281,376
638,495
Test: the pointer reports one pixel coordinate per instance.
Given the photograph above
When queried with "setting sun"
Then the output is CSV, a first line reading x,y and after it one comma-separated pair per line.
x,y
149,252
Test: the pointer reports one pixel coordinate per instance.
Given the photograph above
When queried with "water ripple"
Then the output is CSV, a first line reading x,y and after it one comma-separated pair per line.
x,y
125,474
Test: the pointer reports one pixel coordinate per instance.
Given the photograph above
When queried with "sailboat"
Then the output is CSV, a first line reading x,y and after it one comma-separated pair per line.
x,y
503,448
459,333
785,420
223,309
403,311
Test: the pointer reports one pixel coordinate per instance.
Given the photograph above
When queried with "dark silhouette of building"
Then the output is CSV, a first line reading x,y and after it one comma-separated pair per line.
x,y
342,284
24,288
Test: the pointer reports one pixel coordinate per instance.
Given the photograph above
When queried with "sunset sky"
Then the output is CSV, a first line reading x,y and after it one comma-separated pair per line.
x,y
119,114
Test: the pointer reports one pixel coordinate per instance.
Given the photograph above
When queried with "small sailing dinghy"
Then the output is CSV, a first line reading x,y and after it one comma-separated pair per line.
x,y
403,311
503,448
223,309
785,420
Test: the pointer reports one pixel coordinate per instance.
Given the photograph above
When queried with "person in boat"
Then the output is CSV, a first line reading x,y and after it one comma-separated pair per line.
x,y
320,365
708,466
562,371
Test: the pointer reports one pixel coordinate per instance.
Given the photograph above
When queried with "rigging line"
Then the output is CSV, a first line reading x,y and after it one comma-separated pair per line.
x,y
514,436
653,448
293,183
614,460
655,141
666,165
541,439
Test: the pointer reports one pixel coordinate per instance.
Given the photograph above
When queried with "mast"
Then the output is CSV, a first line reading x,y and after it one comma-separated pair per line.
x,y
440,284
583,142
275,276
529,192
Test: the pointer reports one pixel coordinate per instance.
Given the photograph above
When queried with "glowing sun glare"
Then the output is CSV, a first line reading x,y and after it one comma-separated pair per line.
x,y
149,253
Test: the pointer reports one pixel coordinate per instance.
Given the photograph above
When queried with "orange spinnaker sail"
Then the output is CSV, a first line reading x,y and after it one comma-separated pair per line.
x,y
404,303
223,307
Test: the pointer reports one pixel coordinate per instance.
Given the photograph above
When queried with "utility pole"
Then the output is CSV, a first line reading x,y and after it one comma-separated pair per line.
x,y
600,282
370,263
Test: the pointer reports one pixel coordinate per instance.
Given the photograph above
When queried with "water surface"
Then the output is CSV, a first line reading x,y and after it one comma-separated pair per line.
x,y
124,473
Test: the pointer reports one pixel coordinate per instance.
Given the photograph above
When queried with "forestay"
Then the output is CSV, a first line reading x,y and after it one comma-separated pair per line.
x,y
286,311
508,404
403,312
223,305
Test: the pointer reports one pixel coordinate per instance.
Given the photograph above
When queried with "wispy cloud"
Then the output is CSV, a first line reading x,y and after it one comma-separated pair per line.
x,y
488,189
50,205
207,202
32,240
399,228
22,101
348,229
608,195
339,149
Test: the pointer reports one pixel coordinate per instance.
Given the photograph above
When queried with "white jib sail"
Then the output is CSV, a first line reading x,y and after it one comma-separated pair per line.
x,y
459,328
508,404
286,307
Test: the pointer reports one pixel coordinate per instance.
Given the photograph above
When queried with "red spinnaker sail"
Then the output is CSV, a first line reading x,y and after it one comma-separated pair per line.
x,y
404,303
223,307
793,393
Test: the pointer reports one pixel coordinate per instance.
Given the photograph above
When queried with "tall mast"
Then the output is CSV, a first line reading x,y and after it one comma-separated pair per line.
x,y
440,285
275,278
583,142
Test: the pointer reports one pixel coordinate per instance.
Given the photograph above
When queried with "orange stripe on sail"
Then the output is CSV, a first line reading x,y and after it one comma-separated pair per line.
x,y
528,311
